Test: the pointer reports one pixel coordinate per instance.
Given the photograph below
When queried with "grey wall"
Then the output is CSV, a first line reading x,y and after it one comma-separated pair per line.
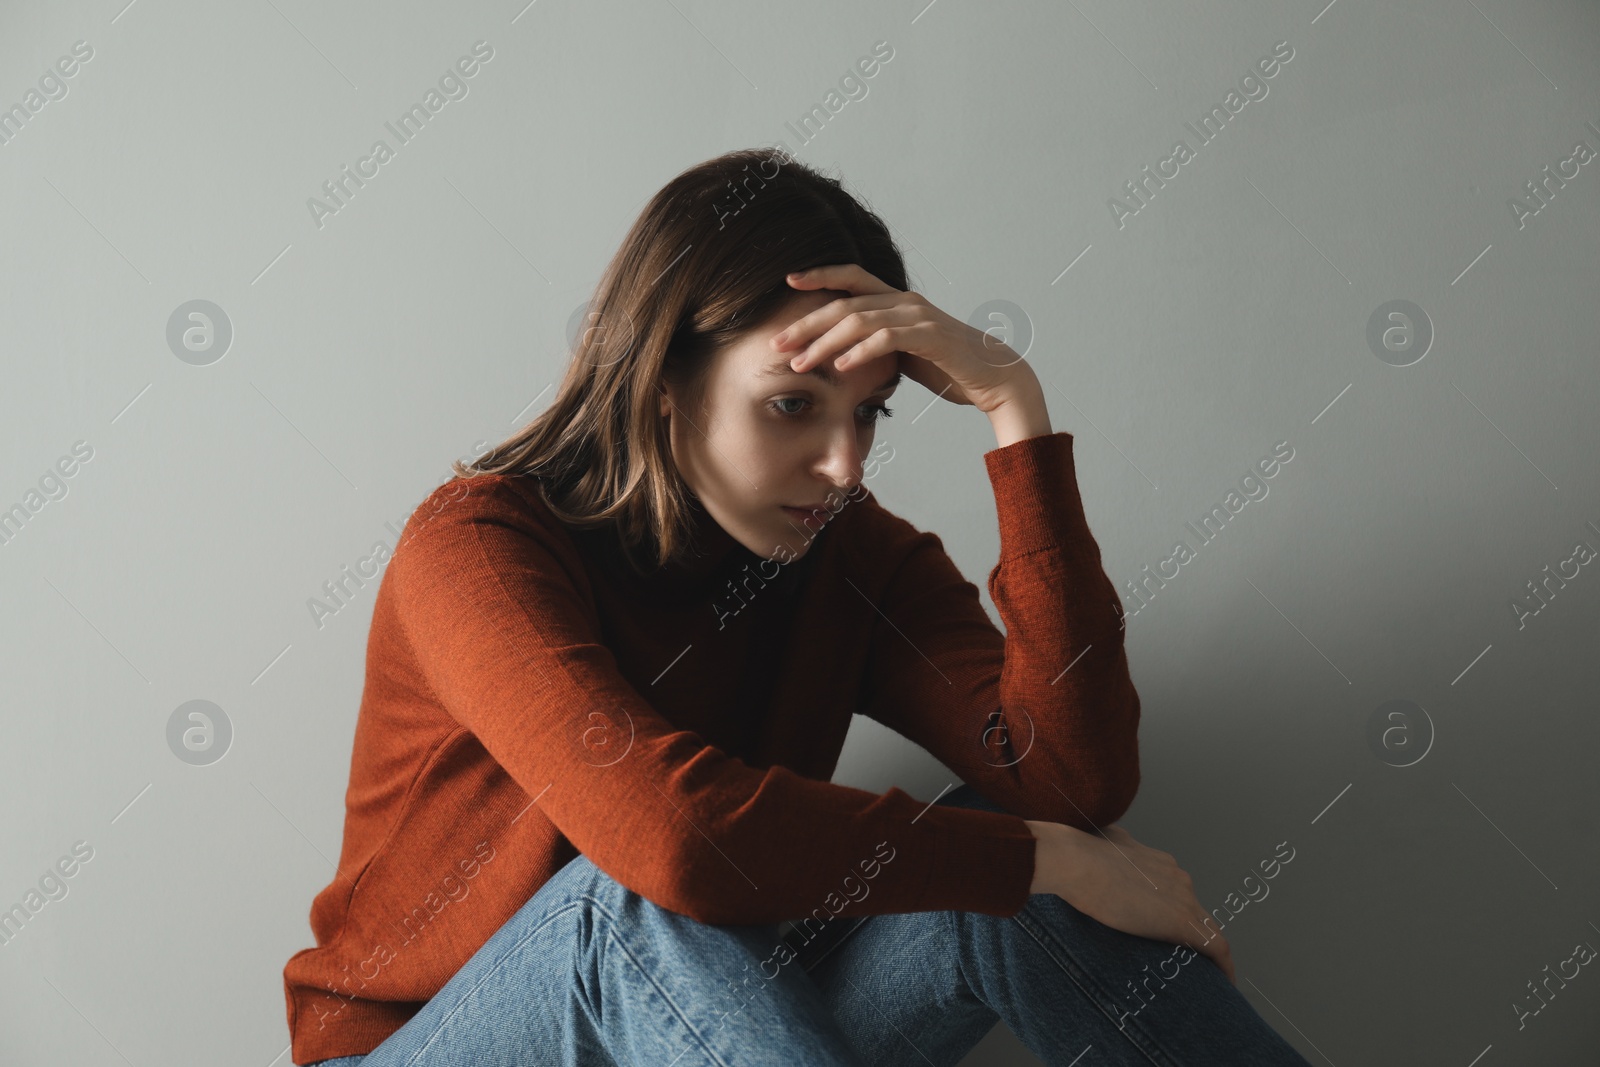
x,y
1443,858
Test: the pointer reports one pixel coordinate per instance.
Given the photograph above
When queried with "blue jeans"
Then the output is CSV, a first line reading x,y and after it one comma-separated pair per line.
x,y
590,973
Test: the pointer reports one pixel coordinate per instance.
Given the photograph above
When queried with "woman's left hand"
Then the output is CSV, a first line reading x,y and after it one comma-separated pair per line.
x,y
962,364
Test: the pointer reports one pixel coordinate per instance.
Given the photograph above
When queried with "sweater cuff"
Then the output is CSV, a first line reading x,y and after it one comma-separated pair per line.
x,y
982,861
1036,495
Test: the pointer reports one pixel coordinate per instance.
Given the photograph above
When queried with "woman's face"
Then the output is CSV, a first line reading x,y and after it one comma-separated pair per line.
x,y
770,438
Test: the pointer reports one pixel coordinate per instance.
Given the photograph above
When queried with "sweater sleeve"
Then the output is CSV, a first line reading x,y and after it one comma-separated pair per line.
x,y
495,607
1043,719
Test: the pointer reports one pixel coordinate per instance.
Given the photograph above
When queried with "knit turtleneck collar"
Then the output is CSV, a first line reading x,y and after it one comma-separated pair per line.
x,y
713,557
711,550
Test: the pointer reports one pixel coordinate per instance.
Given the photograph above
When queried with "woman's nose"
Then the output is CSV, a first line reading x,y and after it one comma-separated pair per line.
x,y
843,460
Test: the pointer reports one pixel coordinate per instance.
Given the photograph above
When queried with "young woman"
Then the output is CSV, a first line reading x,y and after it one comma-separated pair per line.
x,y
613,662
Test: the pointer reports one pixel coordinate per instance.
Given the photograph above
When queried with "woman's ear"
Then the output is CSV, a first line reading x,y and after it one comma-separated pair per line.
x,y
665,401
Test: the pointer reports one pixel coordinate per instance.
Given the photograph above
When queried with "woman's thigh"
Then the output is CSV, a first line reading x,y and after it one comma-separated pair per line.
x,y
591,973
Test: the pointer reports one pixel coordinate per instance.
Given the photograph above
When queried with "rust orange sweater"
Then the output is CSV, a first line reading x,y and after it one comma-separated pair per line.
x,y
527,699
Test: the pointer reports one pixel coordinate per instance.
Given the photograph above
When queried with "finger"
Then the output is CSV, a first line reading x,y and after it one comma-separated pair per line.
x,y
1224,960
886,342
802,332
851,330
851,277
1219,951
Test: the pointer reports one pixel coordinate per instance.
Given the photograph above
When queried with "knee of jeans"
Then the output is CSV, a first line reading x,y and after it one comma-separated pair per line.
x,y
580,880
581,877
582,885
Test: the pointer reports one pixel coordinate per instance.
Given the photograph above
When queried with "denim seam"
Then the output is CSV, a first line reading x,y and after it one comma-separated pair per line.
x,y
957,940
1153,1053
684,1019
548,919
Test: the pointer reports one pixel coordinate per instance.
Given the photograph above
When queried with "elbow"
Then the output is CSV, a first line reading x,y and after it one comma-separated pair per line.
x,y
1116,795
1115,802
704,911
694,901
685,901
1105,787
688,891
1097,804
1113,793
662,882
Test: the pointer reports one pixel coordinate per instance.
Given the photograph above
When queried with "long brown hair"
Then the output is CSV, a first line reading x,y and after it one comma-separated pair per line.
x,y
704,262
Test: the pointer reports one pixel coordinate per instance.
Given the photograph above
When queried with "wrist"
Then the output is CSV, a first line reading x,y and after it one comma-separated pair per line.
x,y
1020,413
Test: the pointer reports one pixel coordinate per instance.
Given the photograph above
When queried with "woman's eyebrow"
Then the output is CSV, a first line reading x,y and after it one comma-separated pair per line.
x,y
826,373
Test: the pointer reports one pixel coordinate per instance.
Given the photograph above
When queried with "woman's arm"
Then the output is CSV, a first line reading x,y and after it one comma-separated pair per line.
x,y
503,635
1041,719
1111,878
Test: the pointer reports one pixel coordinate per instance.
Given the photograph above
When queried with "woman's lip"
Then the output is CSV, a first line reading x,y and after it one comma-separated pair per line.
x,y
819,513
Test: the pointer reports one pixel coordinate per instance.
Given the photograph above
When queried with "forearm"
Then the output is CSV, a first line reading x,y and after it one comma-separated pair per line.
x,y
1022,412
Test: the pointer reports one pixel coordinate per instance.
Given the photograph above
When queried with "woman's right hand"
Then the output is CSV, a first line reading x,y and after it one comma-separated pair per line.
x,y
1127,886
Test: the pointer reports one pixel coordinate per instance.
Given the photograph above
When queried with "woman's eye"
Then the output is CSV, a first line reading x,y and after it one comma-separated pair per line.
x,y
873,412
